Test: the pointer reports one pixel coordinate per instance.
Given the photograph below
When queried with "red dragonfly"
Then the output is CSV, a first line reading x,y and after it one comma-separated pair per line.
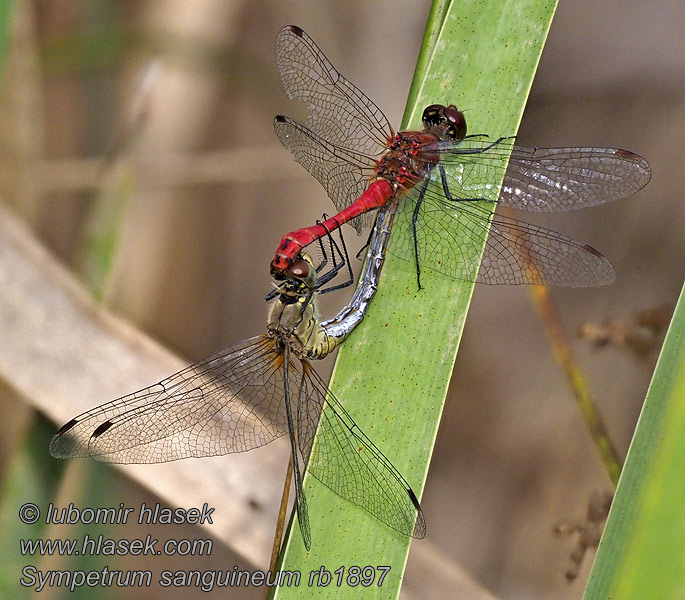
x,y
447,178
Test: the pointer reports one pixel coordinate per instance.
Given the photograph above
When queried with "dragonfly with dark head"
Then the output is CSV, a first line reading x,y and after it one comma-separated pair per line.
x,y
250,394
445,181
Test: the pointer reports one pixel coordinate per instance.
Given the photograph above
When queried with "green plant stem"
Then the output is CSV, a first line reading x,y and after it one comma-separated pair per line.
x,y
588,409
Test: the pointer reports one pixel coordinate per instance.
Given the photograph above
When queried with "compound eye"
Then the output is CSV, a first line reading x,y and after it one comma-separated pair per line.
x,y
300,269
432,109
431,114
456,118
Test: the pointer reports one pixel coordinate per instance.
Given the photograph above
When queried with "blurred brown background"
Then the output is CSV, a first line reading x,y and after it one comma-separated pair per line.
x,y
181,97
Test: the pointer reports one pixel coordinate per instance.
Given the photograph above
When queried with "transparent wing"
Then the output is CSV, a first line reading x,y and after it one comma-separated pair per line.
x,y
229,402
343,173
293,411
450,235
344,458
338,111
541,179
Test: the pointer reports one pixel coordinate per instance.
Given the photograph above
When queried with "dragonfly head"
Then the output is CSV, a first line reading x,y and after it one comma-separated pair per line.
x,y
445,122
297,279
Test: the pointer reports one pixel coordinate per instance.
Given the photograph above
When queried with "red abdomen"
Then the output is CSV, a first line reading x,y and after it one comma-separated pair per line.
x,y
375,196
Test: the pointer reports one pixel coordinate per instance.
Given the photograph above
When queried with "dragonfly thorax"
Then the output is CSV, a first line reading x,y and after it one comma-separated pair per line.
x,y
408,158
296,324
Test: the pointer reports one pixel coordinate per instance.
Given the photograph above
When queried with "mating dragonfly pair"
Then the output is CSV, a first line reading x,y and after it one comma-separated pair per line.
x,y
434,190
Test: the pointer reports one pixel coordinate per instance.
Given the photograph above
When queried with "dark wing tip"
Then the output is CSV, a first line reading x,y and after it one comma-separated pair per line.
x,y
413,498
604,273
627,154
638,160
63,447
633,157
279,119
100,429
420,524
294,29
591,250
66,427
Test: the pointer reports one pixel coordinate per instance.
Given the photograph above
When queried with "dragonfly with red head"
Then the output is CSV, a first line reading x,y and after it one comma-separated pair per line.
x,y
448,178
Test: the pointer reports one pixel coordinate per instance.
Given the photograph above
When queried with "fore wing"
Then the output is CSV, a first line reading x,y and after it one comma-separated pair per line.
x,y
229,402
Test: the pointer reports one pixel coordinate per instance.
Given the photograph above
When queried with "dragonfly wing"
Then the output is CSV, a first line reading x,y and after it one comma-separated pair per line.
x,y
450,235
343,173
541,179
564,179
229,402
338,111
302,513
517,252
343,458
290,393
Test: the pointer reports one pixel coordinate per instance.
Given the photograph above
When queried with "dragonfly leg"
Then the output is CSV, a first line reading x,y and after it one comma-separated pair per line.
x,y
339,258
447,193
324,256
414,219
499,140
488,147
359,254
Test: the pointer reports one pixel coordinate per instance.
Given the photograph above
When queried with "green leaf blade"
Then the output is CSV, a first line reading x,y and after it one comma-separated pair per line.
x,y
642,552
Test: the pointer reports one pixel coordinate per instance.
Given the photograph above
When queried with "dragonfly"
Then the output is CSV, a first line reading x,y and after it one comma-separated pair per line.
x,y
252,393
444,181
